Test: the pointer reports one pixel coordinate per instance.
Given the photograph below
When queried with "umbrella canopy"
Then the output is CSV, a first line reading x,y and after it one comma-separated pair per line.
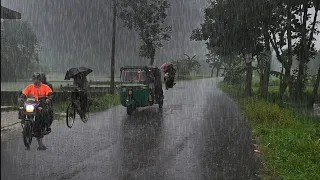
x,y
165,66
77,71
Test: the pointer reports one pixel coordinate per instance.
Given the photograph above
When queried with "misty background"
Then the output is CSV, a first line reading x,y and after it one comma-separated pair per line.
x,y
79,32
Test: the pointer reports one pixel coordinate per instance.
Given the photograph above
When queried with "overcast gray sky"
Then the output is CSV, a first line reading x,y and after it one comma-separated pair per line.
x,y
78,32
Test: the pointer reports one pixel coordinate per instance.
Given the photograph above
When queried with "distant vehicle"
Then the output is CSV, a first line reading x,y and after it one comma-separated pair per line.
x,y
169,74
140,86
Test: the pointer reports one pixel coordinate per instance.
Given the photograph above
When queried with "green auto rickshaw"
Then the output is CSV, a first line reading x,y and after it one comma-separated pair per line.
x,y
140,86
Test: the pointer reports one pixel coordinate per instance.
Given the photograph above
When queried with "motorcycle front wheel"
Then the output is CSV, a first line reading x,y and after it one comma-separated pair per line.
x,y
27,134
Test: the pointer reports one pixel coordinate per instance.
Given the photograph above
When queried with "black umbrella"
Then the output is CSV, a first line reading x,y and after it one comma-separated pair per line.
x,y
77,71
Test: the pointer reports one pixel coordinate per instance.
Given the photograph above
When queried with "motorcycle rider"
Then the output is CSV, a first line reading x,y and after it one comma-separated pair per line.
x,y
36,90
172,72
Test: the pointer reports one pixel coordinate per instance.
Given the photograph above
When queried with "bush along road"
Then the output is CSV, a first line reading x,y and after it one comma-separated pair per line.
x,y
288,140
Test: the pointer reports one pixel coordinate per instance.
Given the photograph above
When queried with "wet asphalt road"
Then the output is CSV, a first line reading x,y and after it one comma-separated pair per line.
x,y
197,135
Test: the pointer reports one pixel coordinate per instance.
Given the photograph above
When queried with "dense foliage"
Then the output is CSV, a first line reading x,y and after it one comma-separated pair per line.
x,y
251,30
19,50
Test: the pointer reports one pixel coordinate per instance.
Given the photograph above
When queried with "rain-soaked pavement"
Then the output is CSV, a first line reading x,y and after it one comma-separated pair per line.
x,y
197,135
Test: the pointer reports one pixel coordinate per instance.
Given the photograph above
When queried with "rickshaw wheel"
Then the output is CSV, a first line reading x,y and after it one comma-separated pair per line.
x,y
129,110
160,104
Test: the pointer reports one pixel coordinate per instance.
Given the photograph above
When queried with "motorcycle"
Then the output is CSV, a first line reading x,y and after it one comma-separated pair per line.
x,y
169,80
32,112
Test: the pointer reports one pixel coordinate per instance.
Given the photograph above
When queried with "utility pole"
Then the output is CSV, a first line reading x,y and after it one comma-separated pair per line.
x,y
113,47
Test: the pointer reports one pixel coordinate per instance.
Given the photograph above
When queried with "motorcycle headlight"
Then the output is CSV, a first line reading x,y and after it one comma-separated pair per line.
x,y
29,108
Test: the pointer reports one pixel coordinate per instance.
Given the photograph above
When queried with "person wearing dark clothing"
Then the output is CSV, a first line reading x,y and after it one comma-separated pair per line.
x,y
171,71
158,84
81,94
43,80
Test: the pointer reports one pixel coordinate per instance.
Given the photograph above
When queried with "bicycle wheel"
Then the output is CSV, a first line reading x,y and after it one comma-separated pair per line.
x,y
86,117
70,116
87,114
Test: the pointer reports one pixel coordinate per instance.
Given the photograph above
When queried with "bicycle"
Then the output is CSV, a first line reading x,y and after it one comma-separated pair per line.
x,y
74,108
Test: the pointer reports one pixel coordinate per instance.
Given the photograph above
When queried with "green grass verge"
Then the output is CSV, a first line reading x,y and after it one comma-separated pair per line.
x,y
104,102
289,142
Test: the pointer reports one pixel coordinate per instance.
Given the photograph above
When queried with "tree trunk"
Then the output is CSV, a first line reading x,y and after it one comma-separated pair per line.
x,y
315,94
266,73
113,47
316,9
288,65
217,74
261,84
153,53
303,56
248,89
287,82
281,83
316,87
212,72
284,84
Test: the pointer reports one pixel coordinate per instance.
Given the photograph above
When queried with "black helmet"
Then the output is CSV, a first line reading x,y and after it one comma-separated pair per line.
x,y
36,76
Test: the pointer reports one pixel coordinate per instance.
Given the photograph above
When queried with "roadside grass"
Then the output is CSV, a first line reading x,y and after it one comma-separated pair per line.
x,y
289,141
105,102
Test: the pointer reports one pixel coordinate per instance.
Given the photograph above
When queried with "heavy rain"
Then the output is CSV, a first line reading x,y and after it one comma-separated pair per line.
x,y
166,89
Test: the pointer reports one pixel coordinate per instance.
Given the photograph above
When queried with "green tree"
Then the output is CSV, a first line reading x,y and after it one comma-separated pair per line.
x,y
19,50
232,27
214,62
147,18
186,65
249,27
305,46
315,94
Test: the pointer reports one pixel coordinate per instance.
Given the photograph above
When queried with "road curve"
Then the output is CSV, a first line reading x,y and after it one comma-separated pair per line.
x,y
197,135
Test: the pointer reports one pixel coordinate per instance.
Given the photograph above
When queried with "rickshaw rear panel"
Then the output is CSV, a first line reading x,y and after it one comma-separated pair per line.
x,y
139,85
138,96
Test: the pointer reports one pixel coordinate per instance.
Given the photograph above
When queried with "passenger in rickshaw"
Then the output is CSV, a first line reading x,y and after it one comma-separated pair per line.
x,y
134,76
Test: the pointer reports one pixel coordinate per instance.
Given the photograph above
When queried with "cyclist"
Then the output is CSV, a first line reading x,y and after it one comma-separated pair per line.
x,y
80,94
